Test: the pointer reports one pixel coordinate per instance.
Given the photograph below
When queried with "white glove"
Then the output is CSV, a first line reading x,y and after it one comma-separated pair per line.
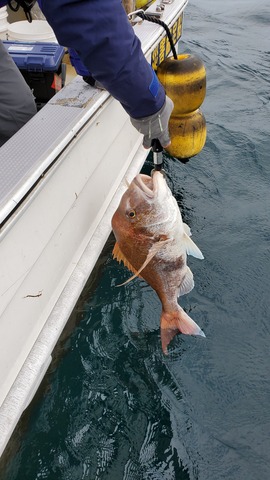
x,y
155,126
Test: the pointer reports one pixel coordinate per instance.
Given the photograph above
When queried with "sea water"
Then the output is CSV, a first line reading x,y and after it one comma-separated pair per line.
x,y
112,406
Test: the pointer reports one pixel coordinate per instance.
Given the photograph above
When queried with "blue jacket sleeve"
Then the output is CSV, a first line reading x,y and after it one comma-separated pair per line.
x,y
105,41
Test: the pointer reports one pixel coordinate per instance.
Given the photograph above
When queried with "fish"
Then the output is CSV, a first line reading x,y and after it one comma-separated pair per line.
x,y
153,242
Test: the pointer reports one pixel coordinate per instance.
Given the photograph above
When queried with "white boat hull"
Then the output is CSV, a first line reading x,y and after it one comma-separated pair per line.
x,y
76,160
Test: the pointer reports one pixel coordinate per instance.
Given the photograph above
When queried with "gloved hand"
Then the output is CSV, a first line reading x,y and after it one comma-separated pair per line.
x,y
94,83
155,126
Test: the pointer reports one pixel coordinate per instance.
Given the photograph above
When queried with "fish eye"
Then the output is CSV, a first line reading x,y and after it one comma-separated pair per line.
x,y
132,214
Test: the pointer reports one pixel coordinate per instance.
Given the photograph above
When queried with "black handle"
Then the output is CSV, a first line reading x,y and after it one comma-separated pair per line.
x,y
157,150
156,145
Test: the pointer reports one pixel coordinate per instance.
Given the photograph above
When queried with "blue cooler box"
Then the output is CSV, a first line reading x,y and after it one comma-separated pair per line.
x,y
41,65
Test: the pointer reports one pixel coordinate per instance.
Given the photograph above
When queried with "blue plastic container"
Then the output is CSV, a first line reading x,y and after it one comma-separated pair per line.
x,y
41,65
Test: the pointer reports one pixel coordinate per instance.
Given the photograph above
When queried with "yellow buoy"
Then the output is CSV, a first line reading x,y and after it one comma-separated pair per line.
x,y
188,134
184,81
141,3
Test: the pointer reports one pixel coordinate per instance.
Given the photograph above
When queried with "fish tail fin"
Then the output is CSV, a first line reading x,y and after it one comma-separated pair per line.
x,y
176,322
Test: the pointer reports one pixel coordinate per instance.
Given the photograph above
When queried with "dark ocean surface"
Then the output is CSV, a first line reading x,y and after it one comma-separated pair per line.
x,y
112,406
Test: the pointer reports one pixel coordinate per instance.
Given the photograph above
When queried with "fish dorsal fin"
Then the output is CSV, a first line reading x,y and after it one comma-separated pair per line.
x,y
191,247
156,247
187,283
120,257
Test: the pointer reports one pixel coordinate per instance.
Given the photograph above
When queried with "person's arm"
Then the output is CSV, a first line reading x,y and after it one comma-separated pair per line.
x,y
100,32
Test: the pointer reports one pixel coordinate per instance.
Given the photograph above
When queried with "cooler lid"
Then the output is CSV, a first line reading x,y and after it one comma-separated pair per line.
x,y
35,56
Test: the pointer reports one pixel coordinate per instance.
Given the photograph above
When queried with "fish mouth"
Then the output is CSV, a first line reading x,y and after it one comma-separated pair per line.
x,y
150,186
145,184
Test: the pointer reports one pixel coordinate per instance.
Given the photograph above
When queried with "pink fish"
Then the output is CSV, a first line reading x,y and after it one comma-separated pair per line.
x,y
153,242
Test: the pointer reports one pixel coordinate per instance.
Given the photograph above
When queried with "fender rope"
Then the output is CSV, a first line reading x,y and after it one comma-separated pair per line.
x,y
152,19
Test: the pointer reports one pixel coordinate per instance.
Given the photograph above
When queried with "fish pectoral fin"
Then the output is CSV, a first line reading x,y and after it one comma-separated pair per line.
x,y
191,247
187,283
156,247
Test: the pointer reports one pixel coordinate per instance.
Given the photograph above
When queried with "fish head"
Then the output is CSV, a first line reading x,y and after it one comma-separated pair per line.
x,y
147,204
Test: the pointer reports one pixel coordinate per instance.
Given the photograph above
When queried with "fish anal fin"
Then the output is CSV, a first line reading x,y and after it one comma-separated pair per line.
x,y
187,283
191,247
176,322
